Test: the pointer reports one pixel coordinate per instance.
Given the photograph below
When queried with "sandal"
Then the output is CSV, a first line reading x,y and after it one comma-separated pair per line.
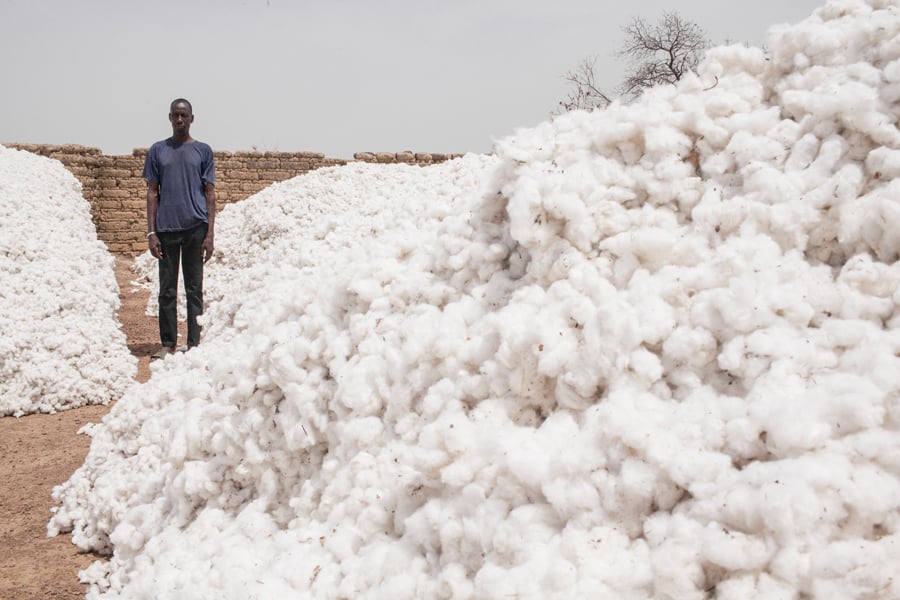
x,y
162,353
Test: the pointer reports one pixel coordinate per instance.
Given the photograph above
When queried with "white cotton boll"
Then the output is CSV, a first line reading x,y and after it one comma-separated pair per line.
x,y
788,133
877,446
874,495
712,136
872,222
638,483
734,550
127,538
454,582
854,569
526,527
526,216
827,95
890,94
528,145
576,388
870,277
650,248
751,140
494,581
695,347
662,141
526,459
736,93
97,576
791,565
850,402
674,542
803,154
769,185
545,574
752,587
790,495
361,432
646,365
394,573
571,496
608,562
571,209
361,391
883,164
736,58
563,487
866,288
801,415
555,352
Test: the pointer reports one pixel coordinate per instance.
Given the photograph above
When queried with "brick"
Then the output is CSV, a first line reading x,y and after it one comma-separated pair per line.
x,y
265,165
229,163
115,193
277,175
116,173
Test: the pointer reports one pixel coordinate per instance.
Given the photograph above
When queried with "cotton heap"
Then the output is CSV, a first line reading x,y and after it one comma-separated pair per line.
x,y
650,351
61,346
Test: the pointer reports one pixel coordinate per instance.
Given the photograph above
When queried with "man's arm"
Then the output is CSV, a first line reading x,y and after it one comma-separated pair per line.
x,y
209,240
152,207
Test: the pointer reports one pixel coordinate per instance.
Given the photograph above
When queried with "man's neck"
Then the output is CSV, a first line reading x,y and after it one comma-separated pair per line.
x,y
182,139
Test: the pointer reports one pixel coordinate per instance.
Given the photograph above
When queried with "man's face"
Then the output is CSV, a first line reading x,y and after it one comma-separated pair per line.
x,y
181,118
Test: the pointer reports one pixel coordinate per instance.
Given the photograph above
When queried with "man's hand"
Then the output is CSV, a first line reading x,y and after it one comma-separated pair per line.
x,y
206,250
155,247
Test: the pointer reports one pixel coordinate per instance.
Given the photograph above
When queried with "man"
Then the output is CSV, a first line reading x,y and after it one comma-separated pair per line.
x,y
181,212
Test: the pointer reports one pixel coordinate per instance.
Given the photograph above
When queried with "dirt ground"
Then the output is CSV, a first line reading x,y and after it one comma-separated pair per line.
x,y
38,452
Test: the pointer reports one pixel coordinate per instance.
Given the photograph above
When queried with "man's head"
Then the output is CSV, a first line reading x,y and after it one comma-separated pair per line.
x,y
181,115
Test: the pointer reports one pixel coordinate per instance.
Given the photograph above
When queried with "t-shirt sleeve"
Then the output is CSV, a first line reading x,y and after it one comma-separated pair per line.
x,y
208,167
151,166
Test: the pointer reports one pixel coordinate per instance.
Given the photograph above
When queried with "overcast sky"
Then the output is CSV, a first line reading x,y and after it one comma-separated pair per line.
x,y
337,77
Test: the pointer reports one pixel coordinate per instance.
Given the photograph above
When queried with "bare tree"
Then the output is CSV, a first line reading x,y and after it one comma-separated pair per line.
x,y
659,53
585,93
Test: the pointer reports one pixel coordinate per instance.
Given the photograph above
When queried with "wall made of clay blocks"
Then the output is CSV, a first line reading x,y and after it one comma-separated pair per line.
x,y
117,193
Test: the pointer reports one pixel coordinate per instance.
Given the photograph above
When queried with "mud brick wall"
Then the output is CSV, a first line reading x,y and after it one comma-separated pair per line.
x,y
113,185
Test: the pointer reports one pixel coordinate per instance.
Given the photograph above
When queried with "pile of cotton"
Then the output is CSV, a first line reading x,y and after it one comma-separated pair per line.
x,y
61,345
328,206
651,351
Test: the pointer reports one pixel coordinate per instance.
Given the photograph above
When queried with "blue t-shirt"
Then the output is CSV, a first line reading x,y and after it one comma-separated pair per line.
x,y
182,171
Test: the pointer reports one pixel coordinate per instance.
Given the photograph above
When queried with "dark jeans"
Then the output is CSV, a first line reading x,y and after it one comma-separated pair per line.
x,y
186,245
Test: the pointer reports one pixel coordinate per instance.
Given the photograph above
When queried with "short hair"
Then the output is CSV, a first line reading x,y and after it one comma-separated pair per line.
x,y
180,101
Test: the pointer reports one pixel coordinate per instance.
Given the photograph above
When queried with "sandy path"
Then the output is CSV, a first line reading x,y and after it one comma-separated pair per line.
x,y
40,451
